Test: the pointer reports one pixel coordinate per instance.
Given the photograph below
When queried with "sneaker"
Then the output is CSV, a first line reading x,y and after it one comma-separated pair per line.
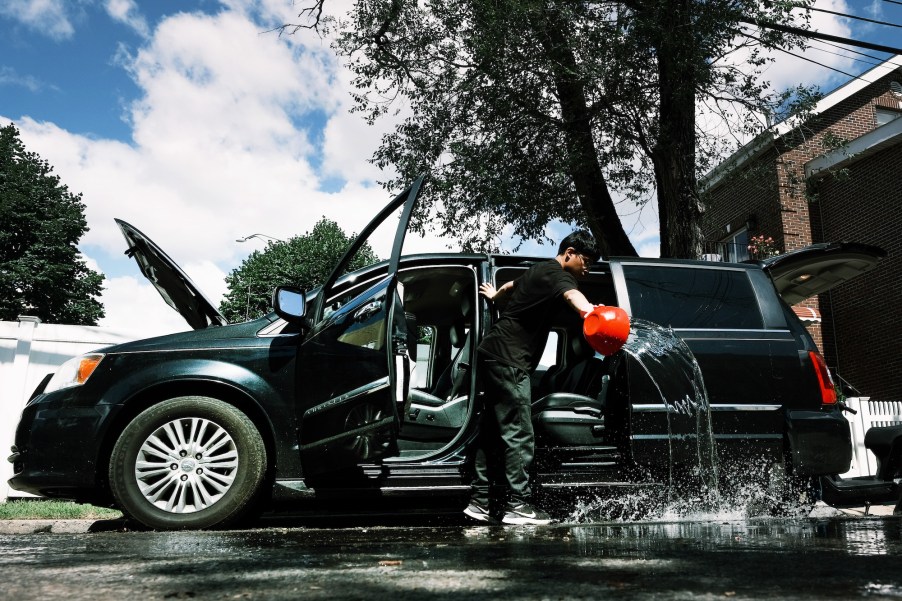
x,y
478,511
525,514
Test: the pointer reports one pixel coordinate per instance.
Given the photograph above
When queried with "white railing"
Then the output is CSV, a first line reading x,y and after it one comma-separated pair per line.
x,y
870,414
729,252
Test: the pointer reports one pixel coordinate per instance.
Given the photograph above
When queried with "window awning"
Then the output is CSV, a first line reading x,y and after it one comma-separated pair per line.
x,y
807,314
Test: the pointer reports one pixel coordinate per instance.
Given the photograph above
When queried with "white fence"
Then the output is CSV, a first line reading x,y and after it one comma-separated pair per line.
x,y
870,414
29,350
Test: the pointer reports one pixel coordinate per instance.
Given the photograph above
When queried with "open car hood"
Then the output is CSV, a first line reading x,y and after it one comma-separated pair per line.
x,y
171,282
802,273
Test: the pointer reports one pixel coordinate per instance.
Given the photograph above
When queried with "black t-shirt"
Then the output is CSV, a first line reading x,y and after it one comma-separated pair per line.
x,y
518,338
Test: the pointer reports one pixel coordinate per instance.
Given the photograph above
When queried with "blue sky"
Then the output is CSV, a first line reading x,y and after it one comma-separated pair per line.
x,y
186,119
70,69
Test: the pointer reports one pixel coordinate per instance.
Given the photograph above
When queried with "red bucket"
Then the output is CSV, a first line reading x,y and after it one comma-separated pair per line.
x,y
606,329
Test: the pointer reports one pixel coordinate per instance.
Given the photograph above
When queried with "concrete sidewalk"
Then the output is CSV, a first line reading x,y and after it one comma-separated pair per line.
x,y
822,510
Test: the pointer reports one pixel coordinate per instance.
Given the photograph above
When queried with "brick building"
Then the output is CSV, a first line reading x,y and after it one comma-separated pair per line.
x,y
837,177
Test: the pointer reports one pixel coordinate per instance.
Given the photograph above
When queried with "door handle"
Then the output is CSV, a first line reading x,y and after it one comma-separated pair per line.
x,y
367,311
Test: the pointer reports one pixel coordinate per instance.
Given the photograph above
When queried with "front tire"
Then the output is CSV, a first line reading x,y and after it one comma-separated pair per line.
x,y
186,463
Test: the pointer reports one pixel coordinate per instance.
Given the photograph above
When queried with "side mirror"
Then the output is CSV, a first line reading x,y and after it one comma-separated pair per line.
x,y
289,303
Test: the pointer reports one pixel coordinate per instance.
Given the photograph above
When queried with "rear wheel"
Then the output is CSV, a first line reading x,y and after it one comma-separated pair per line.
x,y
188,462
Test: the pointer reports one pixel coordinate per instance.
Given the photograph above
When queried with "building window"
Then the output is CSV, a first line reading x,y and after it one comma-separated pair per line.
x,y
884,116
735,247
732,249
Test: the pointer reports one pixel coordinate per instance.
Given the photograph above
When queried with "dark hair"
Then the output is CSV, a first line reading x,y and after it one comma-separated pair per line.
x,y
582,242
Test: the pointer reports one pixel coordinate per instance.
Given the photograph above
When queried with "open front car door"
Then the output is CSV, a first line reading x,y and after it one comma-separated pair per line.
x,y
353,366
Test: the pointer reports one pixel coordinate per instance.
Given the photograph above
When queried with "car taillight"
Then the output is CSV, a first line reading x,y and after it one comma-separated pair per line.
x,y
824,379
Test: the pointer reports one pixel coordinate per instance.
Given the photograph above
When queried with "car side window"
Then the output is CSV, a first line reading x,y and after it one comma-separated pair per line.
x,y
426,338
684,297
363,326
550,354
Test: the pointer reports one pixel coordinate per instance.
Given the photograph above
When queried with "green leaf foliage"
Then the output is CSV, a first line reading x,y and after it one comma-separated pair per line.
x,y
304,261
529,111
41,271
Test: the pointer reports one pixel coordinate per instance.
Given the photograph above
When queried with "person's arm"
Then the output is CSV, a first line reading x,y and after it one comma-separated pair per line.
x,y
578,302
496,296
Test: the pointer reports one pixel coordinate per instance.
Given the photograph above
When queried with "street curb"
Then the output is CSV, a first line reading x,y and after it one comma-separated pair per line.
x,y
51,526
59,526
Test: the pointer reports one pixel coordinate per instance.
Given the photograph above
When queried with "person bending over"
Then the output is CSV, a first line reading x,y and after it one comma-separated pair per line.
x,y
505,358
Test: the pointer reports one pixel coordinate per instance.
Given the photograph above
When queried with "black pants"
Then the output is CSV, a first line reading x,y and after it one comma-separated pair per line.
x,y
506,439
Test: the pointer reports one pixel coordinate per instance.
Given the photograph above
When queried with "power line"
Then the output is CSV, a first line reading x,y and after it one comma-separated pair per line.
x,y
810,60
820,36
876,58
860,60
894,2
857,18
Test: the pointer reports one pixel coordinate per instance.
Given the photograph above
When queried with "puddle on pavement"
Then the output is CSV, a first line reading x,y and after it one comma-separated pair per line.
x,y
870,537
849,537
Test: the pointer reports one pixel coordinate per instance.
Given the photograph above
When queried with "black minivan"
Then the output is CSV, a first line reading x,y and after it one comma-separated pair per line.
x,y
366,387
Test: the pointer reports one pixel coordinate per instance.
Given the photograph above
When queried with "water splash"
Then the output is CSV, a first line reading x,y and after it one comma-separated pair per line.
x,y
677,377
744,498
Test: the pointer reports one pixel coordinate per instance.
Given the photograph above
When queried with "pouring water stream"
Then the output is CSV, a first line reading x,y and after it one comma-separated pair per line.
x,y
677,377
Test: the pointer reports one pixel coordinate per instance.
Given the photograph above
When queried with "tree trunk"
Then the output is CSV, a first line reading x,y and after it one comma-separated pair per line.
x,y
679,207
588,179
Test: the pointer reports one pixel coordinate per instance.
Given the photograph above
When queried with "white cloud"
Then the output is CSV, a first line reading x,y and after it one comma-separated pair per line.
x,y
818,64
349,144
226,141
790,70
209,278
219,143
48,17
133,305
126,12
9,77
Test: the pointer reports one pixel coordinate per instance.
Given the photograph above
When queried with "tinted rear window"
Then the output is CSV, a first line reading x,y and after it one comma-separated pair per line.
x,y
682,297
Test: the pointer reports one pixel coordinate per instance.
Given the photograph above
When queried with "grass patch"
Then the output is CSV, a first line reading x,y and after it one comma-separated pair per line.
x,y
42,509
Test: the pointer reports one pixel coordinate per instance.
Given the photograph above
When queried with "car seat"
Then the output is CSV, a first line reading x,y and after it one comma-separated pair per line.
x,y
571,413
441,410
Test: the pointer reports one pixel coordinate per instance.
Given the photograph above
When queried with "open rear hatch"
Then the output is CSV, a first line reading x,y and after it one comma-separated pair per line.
x,y
171,282
815,269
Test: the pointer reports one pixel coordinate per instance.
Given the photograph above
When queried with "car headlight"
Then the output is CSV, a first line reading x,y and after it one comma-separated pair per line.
x,y
74,372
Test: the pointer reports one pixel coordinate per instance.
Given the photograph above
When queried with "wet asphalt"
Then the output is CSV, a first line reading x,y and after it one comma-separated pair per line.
x,y
837,556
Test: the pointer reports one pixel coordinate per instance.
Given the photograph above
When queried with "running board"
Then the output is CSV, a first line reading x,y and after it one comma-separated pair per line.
x,y
565,460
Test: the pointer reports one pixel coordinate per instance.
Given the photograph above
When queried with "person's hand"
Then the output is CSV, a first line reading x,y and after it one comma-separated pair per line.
x,y
587,313
488,291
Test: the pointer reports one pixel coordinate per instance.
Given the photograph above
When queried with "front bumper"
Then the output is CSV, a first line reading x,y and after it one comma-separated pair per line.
x,y
57,446
820,443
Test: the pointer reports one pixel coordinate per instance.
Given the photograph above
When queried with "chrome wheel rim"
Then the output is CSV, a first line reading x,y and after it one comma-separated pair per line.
x,y
186,465
363,444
